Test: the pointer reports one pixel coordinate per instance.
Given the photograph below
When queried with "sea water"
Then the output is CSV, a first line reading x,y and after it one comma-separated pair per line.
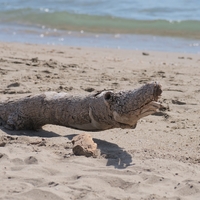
x,y
171,25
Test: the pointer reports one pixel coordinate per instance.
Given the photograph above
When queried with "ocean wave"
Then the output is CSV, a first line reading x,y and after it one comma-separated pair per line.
x,y
62,20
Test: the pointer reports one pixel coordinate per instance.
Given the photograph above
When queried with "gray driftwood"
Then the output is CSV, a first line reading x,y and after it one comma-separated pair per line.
x,y
100,111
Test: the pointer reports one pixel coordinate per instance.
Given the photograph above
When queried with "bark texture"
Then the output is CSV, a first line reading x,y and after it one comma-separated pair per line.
x,y
100,111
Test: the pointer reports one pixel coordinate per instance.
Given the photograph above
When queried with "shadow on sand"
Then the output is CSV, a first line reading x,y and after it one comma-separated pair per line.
x,y
114,154
31,133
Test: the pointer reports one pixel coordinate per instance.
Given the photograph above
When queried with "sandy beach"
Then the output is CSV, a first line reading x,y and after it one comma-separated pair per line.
x,y
159,160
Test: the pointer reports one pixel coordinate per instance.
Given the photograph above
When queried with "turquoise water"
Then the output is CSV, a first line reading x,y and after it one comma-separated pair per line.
x,y
56,21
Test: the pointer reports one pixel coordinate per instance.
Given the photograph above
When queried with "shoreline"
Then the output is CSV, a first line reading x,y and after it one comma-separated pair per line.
x,y
36,35
159,159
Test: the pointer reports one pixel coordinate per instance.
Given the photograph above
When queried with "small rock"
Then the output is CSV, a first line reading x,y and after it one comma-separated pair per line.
x,y
16,84
178,102
145,54
83,144
89,89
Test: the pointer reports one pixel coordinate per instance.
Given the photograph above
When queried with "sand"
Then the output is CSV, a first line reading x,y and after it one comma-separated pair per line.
x,y
160,159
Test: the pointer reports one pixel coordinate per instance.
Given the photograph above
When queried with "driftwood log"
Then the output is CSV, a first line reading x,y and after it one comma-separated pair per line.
x,y
100,111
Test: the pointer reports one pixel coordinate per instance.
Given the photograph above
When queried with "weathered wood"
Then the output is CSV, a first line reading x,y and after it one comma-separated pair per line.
x,y
100,111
